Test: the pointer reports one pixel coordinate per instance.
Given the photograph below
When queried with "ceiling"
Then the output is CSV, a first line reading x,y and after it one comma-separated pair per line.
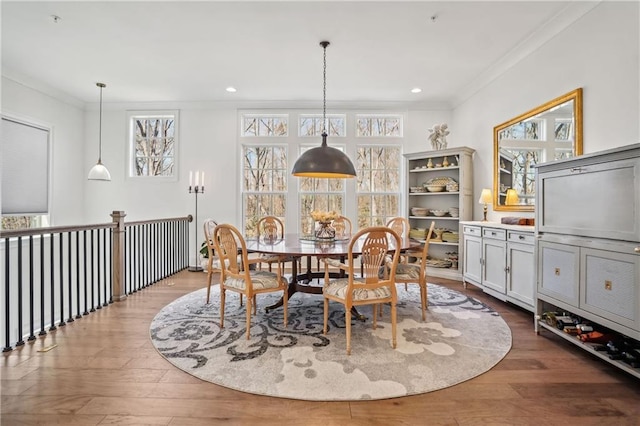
x,y
191,51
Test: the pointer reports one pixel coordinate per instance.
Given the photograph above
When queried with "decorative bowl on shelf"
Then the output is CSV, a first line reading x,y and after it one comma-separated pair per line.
x,y
441,180
419,211
452,187
416,189
439,213
435,188
454,211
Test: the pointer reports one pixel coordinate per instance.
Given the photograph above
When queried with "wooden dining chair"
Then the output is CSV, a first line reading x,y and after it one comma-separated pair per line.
x,y
213,265
415,272
343,228
373,245
270,227
237,276
402,227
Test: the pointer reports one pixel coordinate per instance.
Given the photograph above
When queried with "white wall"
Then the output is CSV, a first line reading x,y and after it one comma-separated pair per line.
x,y
206,142
67,124
599,53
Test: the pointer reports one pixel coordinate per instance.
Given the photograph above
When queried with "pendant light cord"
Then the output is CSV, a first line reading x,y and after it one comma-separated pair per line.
x,y
100,128
324,45
324,89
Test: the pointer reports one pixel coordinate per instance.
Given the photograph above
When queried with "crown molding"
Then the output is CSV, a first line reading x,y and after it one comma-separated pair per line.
x,y
41,87
572,12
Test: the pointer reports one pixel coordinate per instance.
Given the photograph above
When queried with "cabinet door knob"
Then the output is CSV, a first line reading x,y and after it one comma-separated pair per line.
x,y
521,237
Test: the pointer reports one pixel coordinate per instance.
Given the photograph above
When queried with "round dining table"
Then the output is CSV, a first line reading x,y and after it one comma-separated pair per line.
x,y
297,246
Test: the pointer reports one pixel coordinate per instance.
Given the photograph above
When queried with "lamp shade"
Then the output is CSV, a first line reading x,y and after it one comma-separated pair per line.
x,y
323,162
511,199
99,172
485,196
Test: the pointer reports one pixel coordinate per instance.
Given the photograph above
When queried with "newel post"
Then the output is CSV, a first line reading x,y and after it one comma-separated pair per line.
x,y
117,275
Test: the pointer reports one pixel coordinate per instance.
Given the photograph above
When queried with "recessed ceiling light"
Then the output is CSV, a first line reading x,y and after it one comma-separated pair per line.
x,y
416,90
231,89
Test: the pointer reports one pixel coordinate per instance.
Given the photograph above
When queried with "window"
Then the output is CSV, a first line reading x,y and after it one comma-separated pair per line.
x,y
319,194
374,126
311,125
269,149
264,184
153,143
25,170
378,184
276,125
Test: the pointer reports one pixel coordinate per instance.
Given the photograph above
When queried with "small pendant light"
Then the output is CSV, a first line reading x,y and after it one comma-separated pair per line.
x,y
324,161
99,171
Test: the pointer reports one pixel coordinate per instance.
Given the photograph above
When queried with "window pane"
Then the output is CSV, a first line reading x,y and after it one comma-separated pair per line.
x,y
265,172
383,126
279,160
153,145
363,158
392,181
336,185
378,174
364,180
364,211
312,125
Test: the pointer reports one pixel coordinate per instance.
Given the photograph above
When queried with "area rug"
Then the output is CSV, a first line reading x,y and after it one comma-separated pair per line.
x,y
460,339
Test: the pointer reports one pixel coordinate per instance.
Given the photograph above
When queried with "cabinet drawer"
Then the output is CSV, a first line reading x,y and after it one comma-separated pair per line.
x,y
494,234
608,287
558,271
472,230
520,237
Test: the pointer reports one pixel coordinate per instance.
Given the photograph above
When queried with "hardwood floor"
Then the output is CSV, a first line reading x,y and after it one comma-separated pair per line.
x,y
104,371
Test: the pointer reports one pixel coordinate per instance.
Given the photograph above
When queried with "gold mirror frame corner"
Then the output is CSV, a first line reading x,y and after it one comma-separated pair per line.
x,y
576,96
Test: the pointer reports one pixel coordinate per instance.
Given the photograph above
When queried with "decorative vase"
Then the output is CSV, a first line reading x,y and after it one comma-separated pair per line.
x,y
325,231
430,163
445,162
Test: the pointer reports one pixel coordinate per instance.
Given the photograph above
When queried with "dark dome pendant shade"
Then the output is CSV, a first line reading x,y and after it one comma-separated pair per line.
x,y
324,161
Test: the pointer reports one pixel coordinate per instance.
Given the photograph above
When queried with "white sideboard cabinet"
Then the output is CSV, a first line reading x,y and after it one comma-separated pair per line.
x,y
500,259
588,245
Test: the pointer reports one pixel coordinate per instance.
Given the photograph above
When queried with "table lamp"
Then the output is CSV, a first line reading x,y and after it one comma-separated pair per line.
x,y
485,198
511,199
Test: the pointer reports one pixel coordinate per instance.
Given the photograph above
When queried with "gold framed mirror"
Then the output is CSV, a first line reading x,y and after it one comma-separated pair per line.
x,y
552,131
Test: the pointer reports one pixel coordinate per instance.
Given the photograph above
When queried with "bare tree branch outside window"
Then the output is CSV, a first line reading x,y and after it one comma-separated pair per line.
x,y
154,149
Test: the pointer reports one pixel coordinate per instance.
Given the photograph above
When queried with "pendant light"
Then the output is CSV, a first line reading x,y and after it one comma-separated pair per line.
x,y
99,171
324,161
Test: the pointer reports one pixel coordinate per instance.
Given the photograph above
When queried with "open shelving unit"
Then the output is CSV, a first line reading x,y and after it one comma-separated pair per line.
x,y
424,166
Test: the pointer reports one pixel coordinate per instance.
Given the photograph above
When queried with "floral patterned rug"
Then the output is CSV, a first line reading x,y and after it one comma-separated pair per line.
x,y
461,338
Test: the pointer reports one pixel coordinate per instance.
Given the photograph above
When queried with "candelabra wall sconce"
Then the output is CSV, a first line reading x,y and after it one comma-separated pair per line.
x,y
196,188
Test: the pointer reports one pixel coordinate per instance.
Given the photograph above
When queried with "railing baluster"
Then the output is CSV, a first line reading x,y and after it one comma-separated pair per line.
x,y
52,277
84,271
62,323
108,287
69,275
32,336
20,341
42,298
99,304
104,264
7,293
78,275
93,283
